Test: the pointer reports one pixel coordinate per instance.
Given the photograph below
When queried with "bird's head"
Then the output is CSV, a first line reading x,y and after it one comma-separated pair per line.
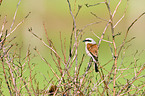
x,y
89,40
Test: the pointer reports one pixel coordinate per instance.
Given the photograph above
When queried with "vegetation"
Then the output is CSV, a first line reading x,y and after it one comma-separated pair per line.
x,y
69,78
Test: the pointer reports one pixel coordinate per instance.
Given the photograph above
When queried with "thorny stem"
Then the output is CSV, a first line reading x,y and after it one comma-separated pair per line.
x,y
128,32
133,80
6,76
115,50
15,15
30,72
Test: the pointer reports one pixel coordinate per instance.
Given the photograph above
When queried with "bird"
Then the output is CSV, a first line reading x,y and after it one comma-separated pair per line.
x,y
92,51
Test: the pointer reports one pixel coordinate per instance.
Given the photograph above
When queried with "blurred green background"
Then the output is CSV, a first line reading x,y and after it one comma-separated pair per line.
x,y
56,16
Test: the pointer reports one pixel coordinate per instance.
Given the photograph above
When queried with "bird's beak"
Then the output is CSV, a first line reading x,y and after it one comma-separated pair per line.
x,y
84,40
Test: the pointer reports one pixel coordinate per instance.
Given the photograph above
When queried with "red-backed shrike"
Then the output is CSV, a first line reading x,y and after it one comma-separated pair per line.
x,y
92,51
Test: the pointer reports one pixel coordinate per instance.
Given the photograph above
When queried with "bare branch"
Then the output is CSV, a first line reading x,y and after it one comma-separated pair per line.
x,y
100,38
15,15
18,24
94,4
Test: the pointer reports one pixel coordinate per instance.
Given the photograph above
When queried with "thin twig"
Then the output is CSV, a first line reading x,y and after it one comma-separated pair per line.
x,y
3,26
94,4
28,52
114,45
116,8
74,22
128,32
48,64
99,17
15,15
18,24
30,30
122,16
100,38
132,80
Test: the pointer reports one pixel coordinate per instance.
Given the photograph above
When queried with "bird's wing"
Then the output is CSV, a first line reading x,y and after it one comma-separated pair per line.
x,y
93,49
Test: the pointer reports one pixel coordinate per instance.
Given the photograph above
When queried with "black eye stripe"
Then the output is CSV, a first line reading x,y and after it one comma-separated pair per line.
x,y
88,40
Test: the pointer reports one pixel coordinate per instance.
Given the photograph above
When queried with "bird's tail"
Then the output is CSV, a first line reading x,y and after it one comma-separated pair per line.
x,y
95,59
96,67
96,63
